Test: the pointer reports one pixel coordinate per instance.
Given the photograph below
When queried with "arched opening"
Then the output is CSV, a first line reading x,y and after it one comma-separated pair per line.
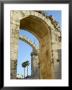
x,y
26,53
44,28
40,29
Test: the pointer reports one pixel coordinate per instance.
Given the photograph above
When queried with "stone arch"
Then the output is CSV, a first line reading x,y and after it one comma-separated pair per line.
x,y
28,42
22,19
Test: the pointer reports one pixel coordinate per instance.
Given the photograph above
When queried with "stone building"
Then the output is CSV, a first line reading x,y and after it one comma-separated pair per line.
x,y
48,32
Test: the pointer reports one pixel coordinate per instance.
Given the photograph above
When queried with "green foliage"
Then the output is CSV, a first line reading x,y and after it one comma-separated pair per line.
x,y
25,64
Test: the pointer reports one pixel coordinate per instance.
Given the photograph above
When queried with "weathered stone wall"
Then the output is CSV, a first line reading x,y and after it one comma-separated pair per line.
x,y
56,53
47,32
14,36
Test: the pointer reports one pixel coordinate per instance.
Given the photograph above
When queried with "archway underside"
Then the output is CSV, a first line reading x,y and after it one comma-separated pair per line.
x,y
35,25
40,29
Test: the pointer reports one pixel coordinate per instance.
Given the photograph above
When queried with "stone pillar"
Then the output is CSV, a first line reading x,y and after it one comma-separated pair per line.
x,y
45,58
35,65
14,37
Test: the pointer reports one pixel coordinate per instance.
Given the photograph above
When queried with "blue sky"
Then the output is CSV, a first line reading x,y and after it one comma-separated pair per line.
x,y
24,50
56,14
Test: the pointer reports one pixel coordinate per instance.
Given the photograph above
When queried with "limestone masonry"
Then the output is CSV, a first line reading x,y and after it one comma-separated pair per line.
x,y
46,60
